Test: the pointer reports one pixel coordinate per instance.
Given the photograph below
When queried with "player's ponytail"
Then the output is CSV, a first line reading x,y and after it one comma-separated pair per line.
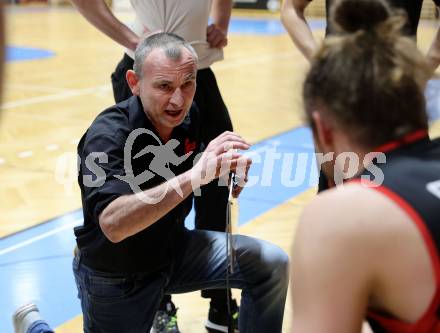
x,y
368,76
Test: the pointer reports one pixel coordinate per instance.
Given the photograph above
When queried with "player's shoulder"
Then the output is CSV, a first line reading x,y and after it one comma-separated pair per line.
x,y
346,200
353,211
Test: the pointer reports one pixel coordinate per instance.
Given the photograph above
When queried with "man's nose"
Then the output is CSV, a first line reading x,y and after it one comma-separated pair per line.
x,y
177,98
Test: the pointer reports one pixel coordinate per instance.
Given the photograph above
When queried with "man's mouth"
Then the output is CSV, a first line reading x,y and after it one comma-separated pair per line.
x,y
174,113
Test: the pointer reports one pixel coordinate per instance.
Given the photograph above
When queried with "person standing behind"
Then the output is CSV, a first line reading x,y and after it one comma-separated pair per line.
x,y
293,18
188,19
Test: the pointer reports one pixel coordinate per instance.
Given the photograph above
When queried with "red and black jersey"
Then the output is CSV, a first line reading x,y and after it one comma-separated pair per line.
x,y
411,179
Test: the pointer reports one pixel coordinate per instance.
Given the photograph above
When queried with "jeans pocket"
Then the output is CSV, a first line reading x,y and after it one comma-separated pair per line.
x,y
109,289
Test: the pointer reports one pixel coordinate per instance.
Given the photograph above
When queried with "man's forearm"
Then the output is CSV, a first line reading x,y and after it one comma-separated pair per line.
x,y
130,214
433,55
296,25
99,15
221,13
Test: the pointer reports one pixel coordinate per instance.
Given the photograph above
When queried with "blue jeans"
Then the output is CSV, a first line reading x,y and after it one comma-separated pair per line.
x,y
40,326
128,302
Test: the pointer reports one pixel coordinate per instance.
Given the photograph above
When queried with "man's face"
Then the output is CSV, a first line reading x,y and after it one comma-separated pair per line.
x,y
167,88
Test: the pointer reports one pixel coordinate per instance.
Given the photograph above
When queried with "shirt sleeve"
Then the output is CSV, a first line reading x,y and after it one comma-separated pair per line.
x,y
103,160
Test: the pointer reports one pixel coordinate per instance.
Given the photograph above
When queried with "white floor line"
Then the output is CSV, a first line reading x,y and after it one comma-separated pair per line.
x,y
40,237
34,87
52,147
25,154
232,63
55,97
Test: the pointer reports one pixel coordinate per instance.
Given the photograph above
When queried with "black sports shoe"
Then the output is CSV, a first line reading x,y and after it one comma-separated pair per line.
x,y
165,320
218,318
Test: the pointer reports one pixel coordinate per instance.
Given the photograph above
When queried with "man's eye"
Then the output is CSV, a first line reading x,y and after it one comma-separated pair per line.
x,y
188,84
164,86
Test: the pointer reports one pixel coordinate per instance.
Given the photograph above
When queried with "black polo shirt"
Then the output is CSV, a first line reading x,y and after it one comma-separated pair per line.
x,y
101,153
412,8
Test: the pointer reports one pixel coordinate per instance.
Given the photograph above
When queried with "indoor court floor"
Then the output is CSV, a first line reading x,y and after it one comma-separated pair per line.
x,y
58,79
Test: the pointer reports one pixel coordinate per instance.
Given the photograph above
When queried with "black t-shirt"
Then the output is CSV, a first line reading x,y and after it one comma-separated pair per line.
x,y
412,8
102,168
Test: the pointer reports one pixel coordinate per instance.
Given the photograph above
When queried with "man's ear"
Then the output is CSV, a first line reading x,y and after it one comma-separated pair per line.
x,y
323,131
133,82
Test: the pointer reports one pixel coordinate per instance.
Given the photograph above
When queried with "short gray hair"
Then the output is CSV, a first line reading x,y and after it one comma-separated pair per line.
x,y
171,44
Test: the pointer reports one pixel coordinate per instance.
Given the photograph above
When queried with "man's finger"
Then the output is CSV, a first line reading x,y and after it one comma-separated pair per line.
x,y
236,191
210,28
241,163
226,143
223,43
230,137
227,162
230,145
215,38
225,133
235,164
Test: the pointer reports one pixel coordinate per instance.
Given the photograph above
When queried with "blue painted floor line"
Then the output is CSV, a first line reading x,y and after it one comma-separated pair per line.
x,y
244,26
249,26
277,179
266,27
18,53
432,94
38,230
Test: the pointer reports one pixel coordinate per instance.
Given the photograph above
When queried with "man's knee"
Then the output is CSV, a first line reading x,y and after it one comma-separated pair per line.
x,y
279,264
266,259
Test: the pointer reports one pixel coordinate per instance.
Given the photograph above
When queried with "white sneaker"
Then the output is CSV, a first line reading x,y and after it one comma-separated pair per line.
x,y
24,316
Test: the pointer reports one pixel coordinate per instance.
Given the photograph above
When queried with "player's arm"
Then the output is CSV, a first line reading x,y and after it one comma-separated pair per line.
x,y
433,55
99,14
129,214
292,16
331,271
216,34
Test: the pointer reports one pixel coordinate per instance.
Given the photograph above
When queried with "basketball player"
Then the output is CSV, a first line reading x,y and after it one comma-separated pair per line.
x,y
374,254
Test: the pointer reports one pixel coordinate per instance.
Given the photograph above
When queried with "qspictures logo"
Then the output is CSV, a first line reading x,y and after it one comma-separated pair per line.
x,y
293,169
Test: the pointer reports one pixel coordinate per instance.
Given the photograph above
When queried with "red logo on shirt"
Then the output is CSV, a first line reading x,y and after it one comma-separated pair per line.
x,y
189,146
